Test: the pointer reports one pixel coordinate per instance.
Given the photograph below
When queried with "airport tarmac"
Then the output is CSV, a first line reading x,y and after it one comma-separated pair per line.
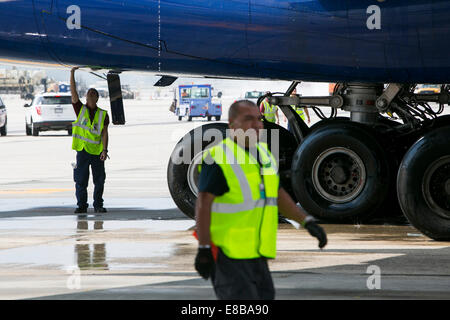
x,y
143,247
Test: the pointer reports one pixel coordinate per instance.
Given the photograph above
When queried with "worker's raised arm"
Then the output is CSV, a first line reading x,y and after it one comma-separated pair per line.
x,y
73,88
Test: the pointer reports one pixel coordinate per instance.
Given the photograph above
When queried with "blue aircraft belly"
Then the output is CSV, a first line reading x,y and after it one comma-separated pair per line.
x,y
316,40
117,34
19,36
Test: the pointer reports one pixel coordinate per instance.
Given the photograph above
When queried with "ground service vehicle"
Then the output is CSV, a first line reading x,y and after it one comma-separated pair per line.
x,y
392,148
428,89
196,101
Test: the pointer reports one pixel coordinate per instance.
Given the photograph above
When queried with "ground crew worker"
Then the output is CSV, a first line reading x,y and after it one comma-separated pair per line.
x,y
269,111
90,140
237,210
301,111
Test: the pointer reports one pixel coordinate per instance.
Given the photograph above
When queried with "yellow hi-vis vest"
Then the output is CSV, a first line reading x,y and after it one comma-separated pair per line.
x,y
299,111
244,220
269,111
87,135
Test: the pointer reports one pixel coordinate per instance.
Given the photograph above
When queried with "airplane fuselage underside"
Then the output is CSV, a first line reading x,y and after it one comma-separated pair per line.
x,y
326,40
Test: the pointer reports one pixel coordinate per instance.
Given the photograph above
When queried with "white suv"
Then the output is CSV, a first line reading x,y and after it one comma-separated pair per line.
x,y
3,118
49,111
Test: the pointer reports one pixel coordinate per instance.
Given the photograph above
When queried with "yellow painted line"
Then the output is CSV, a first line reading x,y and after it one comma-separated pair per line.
x,y
26,62
31,191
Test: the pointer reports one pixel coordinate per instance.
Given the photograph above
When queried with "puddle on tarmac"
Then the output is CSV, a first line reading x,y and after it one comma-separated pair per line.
x,y
67,225
103,256
71,252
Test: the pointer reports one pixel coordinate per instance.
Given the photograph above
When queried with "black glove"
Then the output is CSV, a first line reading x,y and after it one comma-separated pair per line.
x,y
204,263
316,231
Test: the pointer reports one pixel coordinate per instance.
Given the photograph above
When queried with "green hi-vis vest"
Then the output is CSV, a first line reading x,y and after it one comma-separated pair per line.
x,y
87,135
299,111
244,220
269,111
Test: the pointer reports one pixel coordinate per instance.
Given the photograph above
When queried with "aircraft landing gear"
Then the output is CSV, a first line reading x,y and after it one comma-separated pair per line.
x,y
345,168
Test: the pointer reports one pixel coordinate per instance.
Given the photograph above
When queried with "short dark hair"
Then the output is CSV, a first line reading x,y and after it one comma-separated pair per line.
x,y
95,90
234,108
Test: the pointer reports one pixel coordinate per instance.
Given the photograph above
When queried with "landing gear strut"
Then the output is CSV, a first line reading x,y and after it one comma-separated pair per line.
x,y
344,169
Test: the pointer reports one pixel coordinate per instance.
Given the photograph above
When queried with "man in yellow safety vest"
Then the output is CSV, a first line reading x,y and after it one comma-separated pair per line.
x,y
300,110
237,210
269,111
90,140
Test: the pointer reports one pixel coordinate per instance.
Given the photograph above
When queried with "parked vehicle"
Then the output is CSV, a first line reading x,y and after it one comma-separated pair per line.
x,y
253,95
196,101
49,111
127,94
428,89
3,119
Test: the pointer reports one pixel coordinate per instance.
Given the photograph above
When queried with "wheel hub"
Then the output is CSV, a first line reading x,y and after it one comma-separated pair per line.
x,y
339,175
436,186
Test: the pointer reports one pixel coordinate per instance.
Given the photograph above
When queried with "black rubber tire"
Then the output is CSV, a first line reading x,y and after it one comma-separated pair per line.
x,y
395,149
177,180
4,129
411,185
217,118
287,148
327,122
179,188
361,140
34,130
180,118
189,118
27,130
209,118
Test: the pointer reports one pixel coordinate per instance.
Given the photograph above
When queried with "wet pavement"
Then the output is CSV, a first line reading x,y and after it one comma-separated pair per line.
x,y
50,253
143,247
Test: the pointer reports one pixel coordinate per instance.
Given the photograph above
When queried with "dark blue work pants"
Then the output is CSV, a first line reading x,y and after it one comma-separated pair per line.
x,y
81,178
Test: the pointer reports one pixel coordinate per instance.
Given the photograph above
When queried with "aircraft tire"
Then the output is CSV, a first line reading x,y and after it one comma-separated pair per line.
x,y
340,173
326,122
287,147
423,184
182,171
